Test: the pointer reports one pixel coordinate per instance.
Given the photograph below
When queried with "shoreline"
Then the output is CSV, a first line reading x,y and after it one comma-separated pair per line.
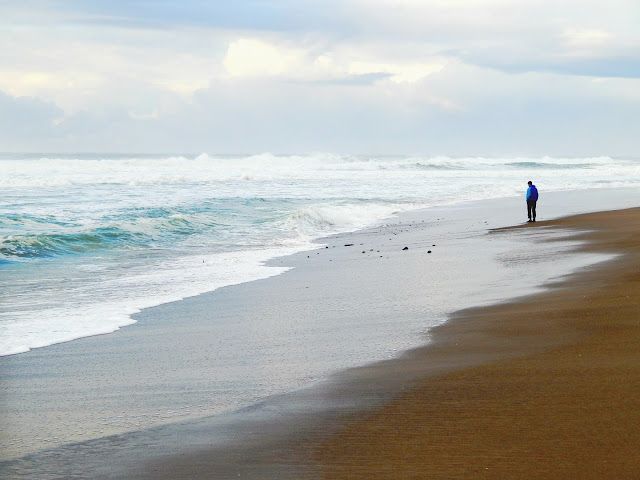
x,y
561,404
401,422
336,402
274,261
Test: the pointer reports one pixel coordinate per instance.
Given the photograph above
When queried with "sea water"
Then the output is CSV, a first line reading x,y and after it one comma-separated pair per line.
x,y
87,241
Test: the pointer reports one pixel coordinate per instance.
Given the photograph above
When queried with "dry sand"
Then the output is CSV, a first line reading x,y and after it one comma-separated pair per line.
x,y
554,393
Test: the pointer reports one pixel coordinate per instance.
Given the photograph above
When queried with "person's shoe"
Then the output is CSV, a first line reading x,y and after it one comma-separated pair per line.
x,y
529,221
533,220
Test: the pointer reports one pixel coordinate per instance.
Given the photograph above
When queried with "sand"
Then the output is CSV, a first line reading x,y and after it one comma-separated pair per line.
x,y
539,387
562,402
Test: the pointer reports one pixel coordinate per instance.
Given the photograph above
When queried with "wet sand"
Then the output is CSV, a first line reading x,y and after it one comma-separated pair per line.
x,y
540,387
553,394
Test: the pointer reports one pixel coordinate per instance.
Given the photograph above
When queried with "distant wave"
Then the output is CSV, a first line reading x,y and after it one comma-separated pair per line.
x,y
204,168
550,166
125,232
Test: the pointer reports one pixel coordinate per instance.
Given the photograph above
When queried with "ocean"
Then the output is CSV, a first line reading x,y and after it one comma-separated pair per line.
x,y
89,240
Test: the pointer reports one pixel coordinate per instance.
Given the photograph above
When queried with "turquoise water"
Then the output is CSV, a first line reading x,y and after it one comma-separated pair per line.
x,y
86,241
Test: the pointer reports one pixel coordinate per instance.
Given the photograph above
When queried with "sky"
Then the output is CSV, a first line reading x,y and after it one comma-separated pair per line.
x,y
430,77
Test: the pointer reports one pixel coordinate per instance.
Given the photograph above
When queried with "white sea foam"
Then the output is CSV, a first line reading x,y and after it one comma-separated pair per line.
x,y
321,219
108,306
52,172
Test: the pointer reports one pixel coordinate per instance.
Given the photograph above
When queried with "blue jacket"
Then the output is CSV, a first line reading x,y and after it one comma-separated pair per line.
x,y
532,194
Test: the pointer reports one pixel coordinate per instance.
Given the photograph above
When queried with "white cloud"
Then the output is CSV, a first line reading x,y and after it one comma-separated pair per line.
x,y
84,67
253,57
585,37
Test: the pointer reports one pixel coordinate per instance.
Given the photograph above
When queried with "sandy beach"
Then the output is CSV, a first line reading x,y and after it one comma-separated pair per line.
x,y
542,387
561,403
538,387
303,240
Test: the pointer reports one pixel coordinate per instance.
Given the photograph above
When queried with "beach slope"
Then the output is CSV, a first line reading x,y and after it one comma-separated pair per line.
x,y
554,397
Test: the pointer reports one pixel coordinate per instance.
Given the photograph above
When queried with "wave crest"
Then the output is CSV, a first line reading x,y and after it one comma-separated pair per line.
x,y
22,247
324,219
205,168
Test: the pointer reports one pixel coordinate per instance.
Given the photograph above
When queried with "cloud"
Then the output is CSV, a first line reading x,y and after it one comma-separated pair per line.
x,y
245,14
62,56
497,114
466,76
625,66
253,57
398,72
25,120
521,36
585,37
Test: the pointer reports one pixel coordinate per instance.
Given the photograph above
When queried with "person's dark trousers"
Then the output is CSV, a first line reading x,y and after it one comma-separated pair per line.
x,y
531,209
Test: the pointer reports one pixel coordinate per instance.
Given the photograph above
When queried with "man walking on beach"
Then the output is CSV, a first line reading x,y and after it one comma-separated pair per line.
x,y
532,198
